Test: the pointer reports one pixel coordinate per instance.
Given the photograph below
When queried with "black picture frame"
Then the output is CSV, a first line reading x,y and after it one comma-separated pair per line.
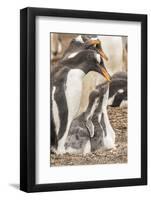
x,y
28,98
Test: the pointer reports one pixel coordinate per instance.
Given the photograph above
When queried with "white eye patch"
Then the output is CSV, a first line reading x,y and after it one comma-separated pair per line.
x,y
79,39
73,54
94,38
120,91
98,58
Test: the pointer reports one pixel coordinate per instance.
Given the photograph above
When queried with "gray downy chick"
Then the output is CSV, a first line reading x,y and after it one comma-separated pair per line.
x,y
82,128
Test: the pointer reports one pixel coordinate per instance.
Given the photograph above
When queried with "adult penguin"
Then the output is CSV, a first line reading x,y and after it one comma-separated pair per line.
x,y
83,42
118,90
66,90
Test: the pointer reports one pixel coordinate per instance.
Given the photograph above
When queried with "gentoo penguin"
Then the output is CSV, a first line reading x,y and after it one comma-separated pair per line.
x,y
97,42
83,42
66,91
101,117
82,128
118,90
80,43
92,130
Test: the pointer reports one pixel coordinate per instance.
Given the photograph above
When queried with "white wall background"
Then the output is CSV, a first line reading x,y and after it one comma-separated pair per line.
x,y
9,99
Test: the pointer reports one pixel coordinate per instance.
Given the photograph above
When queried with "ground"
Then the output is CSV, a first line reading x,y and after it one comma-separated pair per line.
x,y
118,119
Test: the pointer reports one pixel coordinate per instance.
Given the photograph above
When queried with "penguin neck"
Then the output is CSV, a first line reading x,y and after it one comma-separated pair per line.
x,y
85,69
102,107
77,73
91,110
98,111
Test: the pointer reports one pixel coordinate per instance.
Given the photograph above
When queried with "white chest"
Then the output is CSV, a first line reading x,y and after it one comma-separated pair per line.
x,y
74,91
55,111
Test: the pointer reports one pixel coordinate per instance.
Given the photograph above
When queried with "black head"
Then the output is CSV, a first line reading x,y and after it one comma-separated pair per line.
x,y
88,60
94,62
118,84
119,76
94,95
103,90
82,42
92,105
91,42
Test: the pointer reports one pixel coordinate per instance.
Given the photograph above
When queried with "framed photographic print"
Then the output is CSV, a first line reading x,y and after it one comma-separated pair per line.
x,y
83,99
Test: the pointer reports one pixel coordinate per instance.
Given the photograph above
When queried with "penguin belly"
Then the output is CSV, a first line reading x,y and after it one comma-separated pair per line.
x,y
73,97
74,91
109,134
55,112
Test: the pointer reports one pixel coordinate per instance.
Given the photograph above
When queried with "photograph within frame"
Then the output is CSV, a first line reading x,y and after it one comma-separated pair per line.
x,y
90,138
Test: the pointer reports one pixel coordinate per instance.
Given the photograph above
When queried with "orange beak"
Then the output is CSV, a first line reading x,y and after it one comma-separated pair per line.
x,y
103,55
105,73
93,42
